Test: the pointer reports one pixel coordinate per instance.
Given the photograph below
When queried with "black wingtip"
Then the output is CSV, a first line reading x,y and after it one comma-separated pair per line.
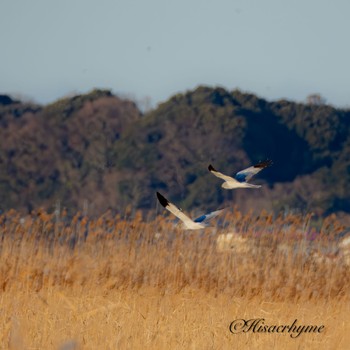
x,y
163,201
264,164
211,168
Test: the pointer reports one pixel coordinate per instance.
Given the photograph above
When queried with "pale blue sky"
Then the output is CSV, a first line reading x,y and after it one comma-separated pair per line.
x,y
156,48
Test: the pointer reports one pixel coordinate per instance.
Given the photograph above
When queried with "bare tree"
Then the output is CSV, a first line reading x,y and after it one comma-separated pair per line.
x,y
315,99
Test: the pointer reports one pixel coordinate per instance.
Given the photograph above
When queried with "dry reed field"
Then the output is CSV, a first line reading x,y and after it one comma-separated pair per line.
x,y
122,282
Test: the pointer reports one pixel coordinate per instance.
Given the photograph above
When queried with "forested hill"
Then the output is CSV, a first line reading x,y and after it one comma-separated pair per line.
x,y
99,151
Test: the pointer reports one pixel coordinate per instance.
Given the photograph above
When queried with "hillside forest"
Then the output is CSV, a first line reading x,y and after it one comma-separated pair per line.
x,y
98,151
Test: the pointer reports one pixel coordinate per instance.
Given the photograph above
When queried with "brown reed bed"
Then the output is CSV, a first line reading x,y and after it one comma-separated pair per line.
x,y
286,258
141,283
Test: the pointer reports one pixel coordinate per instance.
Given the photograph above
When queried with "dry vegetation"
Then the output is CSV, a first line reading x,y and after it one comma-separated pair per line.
x,y
117,282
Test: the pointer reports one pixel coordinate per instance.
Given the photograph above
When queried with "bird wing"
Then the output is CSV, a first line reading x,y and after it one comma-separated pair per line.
x,y
208,216
220,175
246,174
173,209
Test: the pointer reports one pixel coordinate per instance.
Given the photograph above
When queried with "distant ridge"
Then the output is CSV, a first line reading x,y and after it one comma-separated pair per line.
x,y
6,100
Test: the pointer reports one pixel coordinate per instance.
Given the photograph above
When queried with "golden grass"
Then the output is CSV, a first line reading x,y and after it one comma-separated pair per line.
x,y
147,319
119,283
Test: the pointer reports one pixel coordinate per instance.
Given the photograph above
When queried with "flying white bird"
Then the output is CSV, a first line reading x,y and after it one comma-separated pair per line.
x,y
189,224
241,178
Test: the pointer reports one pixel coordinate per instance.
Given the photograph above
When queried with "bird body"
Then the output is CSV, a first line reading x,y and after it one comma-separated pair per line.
x,y
196,224
230,185
242,177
